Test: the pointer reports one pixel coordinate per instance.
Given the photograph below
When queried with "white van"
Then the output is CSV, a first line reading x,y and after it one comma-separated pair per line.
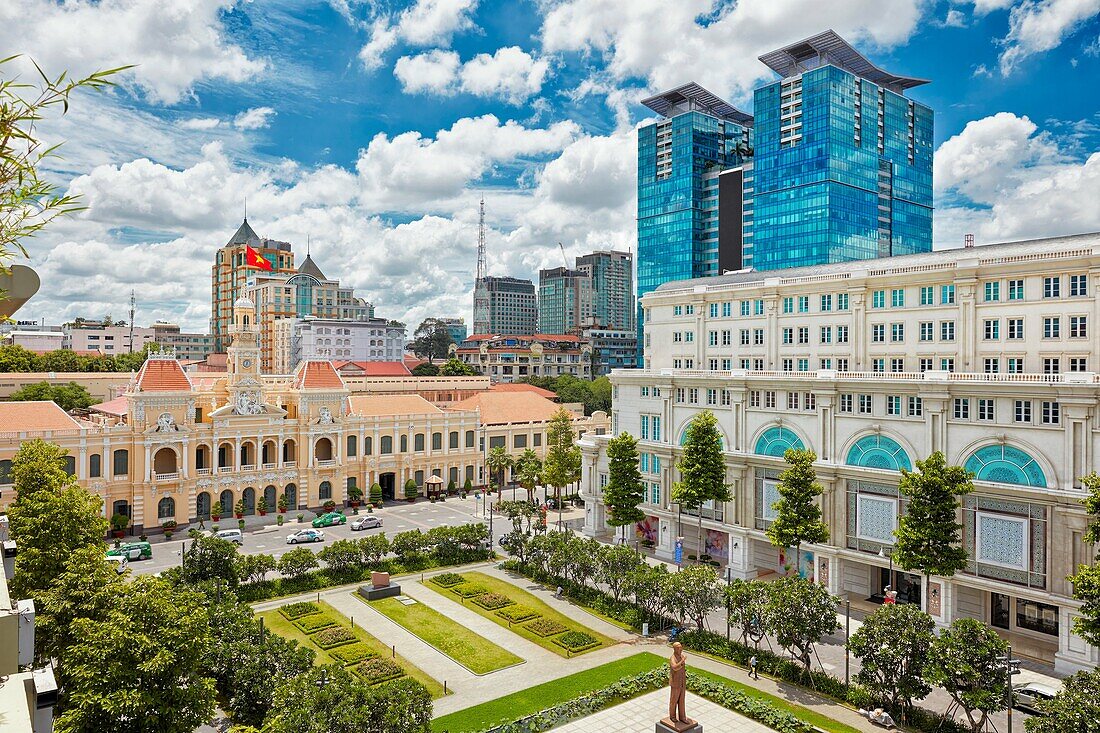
x,y
119,561
233,535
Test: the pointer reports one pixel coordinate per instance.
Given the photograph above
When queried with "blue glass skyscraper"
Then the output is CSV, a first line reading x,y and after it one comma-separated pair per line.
x,y
842,161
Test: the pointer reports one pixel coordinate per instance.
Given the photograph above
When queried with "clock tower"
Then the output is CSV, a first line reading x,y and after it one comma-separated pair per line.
x,y
243,360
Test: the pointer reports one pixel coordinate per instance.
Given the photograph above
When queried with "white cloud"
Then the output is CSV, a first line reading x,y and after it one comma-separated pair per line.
x,y
174,43
1036,26
984,7
200,123
954,19
425,23
715,43
254,119
510,74
1003,179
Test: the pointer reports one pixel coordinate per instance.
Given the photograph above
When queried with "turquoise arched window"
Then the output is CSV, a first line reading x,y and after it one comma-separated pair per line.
x,y
1004,464
879,451
775,442
684,436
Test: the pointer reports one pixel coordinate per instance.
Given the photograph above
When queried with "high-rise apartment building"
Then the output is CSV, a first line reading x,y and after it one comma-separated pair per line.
x,y
565,300
229,276
505,305
842,159
456,327
612,276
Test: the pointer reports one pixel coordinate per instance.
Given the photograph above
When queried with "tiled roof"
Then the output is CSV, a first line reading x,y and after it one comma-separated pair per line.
x,y
498,408
162,375
374,368
400,404
518,387
317,375
524,337
35,416
412,361
119,406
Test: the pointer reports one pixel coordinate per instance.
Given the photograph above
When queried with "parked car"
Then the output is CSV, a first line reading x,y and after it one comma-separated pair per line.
x,y
305,535
1028,696
119,562
132,551
233,535
367,522
328,520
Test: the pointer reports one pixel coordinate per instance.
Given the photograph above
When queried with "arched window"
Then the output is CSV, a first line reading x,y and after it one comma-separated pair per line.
x,y
353,446
418,443
69,464
879,451
469,438
95,466
322,450
226,503
121,462
404,444
324,491
249,499
269,497
368,445
225,455
437,441
1004,464
289,451
121,507
385,445
164,462
166,508
775,442
452,440
5,472
202,456
291,494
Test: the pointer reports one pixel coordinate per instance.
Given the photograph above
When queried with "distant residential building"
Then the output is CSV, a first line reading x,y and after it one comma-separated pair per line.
x,y
565,300
309,339
611,349
457,328
507,358
109,340
505,305
187,346
229,276
36,340
612,277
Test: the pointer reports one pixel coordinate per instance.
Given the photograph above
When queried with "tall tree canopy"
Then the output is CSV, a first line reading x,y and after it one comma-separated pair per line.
x,y
928,533
702,468
625,489
798,517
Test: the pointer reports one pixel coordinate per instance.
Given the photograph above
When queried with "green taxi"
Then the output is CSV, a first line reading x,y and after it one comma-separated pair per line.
x,y
330,519
132,551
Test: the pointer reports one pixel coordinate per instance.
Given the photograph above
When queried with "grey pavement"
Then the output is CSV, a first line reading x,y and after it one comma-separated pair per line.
x,y
641,713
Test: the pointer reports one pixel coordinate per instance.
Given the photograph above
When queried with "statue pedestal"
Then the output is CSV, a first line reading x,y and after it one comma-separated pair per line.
x,y
684,726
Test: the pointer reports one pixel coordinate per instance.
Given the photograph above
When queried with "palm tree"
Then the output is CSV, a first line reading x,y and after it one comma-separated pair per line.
x,y
529,472
498,461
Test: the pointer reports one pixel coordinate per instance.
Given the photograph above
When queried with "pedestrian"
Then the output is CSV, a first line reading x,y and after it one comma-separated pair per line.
x,y
752,668
202,524
559,592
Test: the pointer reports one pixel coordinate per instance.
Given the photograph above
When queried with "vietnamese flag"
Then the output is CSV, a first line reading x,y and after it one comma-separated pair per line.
x,y
256,260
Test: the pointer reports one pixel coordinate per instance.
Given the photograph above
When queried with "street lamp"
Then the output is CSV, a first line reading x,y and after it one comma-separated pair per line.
x,y
890,573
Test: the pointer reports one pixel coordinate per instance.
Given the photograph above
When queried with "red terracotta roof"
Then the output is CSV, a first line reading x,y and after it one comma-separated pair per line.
x,y
374,368
119,406
524,388
385,405
163,375
499,408
317,375
35,416
524,337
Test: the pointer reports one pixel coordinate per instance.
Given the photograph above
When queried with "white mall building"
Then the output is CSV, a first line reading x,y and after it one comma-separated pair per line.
x,y
984,353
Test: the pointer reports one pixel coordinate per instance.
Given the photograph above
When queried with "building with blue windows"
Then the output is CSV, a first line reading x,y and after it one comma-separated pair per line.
x,y
842,160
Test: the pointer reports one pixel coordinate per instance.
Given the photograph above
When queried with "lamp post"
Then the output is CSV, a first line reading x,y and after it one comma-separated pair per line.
x,y
729,609
890,573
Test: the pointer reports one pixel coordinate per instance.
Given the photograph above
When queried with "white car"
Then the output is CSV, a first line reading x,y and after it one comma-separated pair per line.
x,y
120,563
233,535
305,535
367,522
1029,695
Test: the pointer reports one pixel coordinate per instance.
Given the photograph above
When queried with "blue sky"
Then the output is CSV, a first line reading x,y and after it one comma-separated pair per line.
x,y
375,128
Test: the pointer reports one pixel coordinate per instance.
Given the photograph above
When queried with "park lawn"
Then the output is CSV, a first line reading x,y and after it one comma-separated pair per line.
x,y
522,597
546,695
805,714
471,650
276,623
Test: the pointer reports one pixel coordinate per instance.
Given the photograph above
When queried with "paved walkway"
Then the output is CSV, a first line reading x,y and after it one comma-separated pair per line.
x,y
641,713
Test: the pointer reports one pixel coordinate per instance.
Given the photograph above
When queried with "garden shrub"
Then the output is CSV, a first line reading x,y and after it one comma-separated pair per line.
x,y
545,627
297,610
446,580
379,669
468,590
516,613
314,622
332,637
493,601
576,641
353,653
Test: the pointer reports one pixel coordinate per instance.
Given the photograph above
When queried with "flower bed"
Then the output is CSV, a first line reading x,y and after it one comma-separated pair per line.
x,y
333,637
446,580
314,622
376,670
468,590
545,627
352,653
517,614
297,610
493,601
576,641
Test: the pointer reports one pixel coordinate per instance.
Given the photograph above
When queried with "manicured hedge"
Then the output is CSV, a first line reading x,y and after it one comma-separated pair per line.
x,y
468,590
576,641
314,622
446,580
352,653
297,610
333,637
516,613
545,627
493,601
379,669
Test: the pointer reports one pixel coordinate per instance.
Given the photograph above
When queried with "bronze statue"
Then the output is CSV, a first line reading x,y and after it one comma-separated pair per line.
x,y
677,683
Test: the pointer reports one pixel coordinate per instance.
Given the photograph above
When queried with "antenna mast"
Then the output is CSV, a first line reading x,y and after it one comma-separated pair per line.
x,y
481,242
132,302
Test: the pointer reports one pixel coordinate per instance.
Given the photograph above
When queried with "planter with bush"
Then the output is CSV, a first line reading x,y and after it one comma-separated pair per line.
x,y
545,627
297,610
333,637
261,507
379,669
282,504
410,491
352,653
355,496
279,520
119,523
328,506
169,527
376,494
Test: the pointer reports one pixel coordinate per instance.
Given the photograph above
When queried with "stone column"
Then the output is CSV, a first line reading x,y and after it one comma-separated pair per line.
x,y
741,562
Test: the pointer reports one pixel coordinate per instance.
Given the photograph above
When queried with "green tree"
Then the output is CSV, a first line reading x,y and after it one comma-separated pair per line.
x,y
702,469
409,547
456,368
893,646
254,568
748,604
71,396
376,494
646,586
372,549
432,340
528,472
800,613
411,489
1086,581
51,517
798,516
87,587
563,457
693,593
427,369
341,555
615,564
927,534
601,391
60,360
1075,709
297,562
140,666
211,559
624,490
968,661
498,461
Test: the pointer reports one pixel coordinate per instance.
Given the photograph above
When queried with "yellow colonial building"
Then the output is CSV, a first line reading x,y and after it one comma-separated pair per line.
x,y
179,446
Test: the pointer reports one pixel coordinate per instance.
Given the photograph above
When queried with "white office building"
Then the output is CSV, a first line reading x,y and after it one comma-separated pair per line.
x,y
335,339
983,353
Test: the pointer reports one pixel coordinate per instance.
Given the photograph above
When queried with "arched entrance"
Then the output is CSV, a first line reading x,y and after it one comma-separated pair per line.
x,y
226,503
290,451
249,499
267,457
164,462
202,506
387,482
202,457
291,494
322,450
269,498
121,507
225,455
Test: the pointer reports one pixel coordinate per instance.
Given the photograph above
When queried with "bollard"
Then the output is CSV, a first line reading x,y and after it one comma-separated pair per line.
x,y
444,687
353,622
318,596
395,651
